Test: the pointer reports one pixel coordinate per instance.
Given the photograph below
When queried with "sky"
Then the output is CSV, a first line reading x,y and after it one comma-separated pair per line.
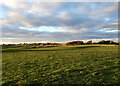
x,y
58,21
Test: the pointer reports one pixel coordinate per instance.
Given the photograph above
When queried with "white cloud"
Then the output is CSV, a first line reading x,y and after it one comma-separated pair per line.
x,y
15,4
64,16
47,29
44,8
81,30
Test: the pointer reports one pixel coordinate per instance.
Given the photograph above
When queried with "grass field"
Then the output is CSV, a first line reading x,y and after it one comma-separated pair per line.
x,y
60,65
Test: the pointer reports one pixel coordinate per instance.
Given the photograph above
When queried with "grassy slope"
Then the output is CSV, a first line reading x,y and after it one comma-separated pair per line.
x,y
61,65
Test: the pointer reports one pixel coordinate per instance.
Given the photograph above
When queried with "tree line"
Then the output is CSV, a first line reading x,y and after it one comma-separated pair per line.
x,y
68,43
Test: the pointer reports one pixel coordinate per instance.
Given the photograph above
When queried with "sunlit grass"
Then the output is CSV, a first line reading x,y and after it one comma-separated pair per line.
x,y
61,65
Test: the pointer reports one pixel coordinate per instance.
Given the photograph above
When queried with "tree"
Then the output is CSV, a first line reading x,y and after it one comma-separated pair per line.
x,y
89,42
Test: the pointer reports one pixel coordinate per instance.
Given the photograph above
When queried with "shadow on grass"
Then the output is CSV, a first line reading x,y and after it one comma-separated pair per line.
x,y
10,83
13,83
64,49
18,50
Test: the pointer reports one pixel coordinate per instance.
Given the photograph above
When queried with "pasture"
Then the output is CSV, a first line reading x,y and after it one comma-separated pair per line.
x,y
86,64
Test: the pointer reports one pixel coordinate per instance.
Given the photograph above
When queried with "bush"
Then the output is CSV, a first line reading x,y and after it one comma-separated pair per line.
x,y
27,47
34,47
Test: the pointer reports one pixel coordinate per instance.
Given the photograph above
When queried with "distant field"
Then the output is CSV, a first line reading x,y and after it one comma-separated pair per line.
x,y
89,64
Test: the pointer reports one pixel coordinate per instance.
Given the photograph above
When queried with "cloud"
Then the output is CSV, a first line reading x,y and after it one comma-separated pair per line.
x,y
44,8
16,5
59,21
105,11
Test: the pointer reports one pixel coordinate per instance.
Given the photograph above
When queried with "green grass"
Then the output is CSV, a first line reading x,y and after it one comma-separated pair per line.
x,y
60,65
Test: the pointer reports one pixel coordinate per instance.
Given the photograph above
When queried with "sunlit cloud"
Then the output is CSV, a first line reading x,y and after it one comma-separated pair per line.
x,y
46,29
